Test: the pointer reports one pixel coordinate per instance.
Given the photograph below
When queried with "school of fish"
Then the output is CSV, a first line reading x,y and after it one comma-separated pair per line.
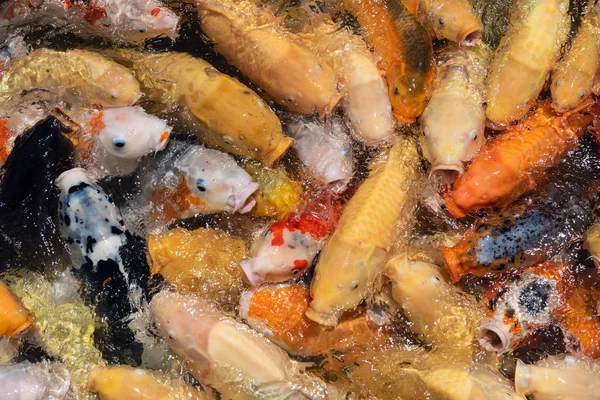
x,y
311,199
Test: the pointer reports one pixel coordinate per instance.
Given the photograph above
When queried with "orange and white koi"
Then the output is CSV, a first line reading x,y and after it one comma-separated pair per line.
x,y
14,317
115,139
192,180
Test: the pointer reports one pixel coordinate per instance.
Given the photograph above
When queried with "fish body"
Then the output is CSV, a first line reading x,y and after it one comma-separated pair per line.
x,y
558,377
224,353
289,247
325,149
366,101
521,237
513,163
516,308
14,317
524,58
94,228
116,138
77,76
454,119
277,61
573,76
132,21
191,180
451,19
26,381
356,253
404,48
278,311
123,382
232,117
202,262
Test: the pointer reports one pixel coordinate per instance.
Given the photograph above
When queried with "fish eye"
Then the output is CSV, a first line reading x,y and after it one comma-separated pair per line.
x,y
119,141
201,185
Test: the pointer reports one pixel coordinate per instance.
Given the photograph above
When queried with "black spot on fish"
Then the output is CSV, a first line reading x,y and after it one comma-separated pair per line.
x,y
115,231
534,297
78,187
89,244
67,220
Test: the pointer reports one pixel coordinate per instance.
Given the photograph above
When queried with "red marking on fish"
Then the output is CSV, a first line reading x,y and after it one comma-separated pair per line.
x,y
277,230
155,11
300,264
97,123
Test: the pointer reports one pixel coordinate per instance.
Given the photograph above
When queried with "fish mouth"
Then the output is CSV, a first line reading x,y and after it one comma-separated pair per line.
x,y
522,378
244,202
71,177
248,269
471,36
494,336
446,173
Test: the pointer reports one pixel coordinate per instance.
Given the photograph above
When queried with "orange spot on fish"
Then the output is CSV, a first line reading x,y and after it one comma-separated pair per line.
x,y
300,264
164,136
4,138
155,11
97,123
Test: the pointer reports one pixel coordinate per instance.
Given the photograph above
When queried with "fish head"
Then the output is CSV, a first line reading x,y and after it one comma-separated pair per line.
x,y
408,92
117,86
454,20
215,181
128,132
282,254
72,178
453,132
335,292
154,20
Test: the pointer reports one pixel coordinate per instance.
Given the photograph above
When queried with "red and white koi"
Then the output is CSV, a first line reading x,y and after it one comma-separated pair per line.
x,y
290,246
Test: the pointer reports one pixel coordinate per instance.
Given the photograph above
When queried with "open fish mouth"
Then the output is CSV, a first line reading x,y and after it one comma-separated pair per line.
x,y
494,336
243,201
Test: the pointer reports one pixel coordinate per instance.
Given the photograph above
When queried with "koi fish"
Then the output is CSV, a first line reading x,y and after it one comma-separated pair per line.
x,y
520,237
325,149
289,247
405,52
202,262
355,255
515,307
225,113
524,58
191,180
513,163
114,140
94,229
77,76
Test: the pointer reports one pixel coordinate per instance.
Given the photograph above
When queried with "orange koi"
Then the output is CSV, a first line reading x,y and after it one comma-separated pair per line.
x,y
513,163
405,50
